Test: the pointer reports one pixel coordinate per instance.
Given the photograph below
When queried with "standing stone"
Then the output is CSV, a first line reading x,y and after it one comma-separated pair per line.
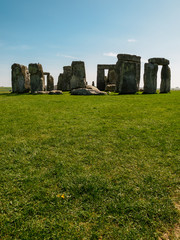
x,y
20,78
100,79
128,73
111,80
60,82
37,77
129,82
78,79
67,74
150,77
138,74
50,83
165,79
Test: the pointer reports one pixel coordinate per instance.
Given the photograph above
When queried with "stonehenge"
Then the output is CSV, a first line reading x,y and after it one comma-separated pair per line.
x,y
150,75
73,77
101,80
50,81
20,78
36,77
165,86
78,78
128,73
64,79
123,77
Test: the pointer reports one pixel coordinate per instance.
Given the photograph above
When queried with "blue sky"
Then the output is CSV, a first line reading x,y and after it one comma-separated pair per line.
x,y
57,32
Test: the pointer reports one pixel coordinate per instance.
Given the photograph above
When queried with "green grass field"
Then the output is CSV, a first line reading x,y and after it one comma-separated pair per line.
x,y
89,167
5,89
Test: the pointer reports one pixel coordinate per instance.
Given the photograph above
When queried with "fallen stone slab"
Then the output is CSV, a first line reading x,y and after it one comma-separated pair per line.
x,y
86,91
55,92
92,87
41,92
110,87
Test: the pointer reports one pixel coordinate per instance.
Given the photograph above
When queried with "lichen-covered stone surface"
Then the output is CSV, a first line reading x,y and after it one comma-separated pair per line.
x,y
78,79
165,86
37,77
150,78
20,78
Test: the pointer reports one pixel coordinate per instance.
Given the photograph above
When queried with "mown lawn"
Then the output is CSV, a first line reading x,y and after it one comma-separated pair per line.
x,y
88,167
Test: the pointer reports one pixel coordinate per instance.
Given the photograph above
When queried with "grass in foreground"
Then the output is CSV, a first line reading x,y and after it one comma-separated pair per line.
x,y
88,167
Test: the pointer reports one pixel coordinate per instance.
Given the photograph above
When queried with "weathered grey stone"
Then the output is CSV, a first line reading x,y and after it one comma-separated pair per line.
x,y
101,78
110,87
127,82
138,74
60,82
128,73
92,87
55,92
20,78
78,78
50,83
165,79
111,81
64,79
159,61
37,77
150,77
41,92
86,91
128,57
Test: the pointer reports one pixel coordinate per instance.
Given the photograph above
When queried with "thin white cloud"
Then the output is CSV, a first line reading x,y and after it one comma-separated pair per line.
x,y
110,54
131,40
66,56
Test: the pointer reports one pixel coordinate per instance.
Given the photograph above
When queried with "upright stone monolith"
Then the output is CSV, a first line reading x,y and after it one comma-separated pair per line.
x,y
50,83
78,79
37,77
20,78
67,74
150,77
111,80
60,82
128,73
165,79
